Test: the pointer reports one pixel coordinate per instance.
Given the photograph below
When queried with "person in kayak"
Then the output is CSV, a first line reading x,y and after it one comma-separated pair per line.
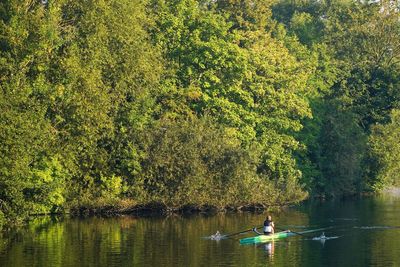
x,y
269,226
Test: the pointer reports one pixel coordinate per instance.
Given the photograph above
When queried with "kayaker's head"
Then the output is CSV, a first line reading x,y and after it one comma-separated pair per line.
x,y
269,218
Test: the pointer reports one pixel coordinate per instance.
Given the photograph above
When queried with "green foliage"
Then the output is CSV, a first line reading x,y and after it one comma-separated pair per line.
x,y
342,152
2,220
366,44
112,188
25,133
234,70
191,102
385,151
68,74
356,75
365,37
47,191
195,162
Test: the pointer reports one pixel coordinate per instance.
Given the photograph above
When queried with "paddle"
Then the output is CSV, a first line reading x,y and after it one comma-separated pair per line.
x,y
291,231
308,231
242,232
248,230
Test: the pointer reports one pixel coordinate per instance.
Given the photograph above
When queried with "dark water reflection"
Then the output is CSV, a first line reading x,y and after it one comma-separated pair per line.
x,y
365,239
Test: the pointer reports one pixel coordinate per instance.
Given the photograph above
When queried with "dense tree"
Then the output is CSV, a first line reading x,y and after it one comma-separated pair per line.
x,y
243,76
70,73
385,153
194,102
27,137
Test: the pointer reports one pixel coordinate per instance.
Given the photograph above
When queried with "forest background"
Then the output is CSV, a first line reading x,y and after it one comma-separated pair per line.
x,y
195,103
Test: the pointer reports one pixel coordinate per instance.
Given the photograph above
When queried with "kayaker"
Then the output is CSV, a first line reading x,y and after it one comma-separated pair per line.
x,y
269,226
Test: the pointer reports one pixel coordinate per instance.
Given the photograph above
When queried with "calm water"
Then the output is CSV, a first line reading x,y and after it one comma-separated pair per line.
x,y
362,228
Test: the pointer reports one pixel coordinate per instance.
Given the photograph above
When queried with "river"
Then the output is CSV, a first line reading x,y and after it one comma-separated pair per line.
x,y
364,232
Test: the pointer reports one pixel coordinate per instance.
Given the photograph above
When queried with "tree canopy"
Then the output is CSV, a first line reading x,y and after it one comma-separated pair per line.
x,y
195,102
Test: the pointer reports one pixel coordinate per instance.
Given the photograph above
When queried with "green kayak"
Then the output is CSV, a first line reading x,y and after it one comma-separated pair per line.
x,y
279,235
265,238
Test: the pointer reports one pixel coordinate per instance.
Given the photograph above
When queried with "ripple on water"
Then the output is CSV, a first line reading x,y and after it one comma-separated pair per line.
x,y
376,227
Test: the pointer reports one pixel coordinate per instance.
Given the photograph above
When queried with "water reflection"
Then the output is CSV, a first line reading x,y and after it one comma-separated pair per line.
x,y
270,249
363,226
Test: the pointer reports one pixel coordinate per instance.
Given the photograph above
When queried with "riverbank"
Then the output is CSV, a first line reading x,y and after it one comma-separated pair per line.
x,y
124,207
